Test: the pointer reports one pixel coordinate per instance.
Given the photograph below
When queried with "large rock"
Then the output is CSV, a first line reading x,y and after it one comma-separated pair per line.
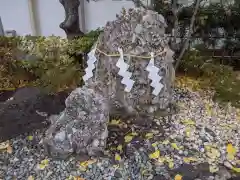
x,y
26,110
138,32
82,127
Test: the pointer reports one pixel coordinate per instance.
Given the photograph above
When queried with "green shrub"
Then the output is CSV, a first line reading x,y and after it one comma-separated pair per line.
x,y
221,78
56,67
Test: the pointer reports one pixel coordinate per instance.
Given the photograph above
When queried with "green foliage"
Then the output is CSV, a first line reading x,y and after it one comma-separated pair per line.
x,y
55,66
11,73
220,78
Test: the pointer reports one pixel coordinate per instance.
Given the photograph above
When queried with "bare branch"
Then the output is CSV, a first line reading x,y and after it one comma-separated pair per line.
x,y
186,43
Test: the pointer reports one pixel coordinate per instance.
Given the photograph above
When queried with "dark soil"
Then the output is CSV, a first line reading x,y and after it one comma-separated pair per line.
x,y
20,114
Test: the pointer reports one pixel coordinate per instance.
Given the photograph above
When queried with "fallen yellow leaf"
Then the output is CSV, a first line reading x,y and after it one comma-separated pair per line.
x,y
154,144
155,155
149,135
165,142
82,168
71,178
161,160
189,159
30,138
171,164
134,134
128,138
174,146
188,132
43,164
188,122
213,169
30,178
119,147
231,150
178,177
45,161
117,157
88,162
114,122
236,169
209,109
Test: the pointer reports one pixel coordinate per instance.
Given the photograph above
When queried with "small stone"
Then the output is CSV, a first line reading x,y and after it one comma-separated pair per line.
x,y
228,164
180,152
185,153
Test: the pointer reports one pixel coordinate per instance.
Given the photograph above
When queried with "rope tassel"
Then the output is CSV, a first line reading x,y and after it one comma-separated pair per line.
x,y
124,73
153,75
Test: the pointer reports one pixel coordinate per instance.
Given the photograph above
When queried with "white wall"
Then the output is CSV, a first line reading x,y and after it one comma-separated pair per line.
x,y
15,16
98,13
51,14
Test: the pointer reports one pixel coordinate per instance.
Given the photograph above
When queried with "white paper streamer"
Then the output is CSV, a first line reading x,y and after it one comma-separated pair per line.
x,y
124,73
90,65
153,75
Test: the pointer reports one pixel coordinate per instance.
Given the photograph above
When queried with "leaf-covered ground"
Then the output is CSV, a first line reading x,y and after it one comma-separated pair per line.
x,y
201,141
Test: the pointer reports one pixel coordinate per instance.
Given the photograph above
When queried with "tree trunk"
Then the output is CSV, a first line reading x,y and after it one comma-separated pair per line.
x,y
71,23
186,43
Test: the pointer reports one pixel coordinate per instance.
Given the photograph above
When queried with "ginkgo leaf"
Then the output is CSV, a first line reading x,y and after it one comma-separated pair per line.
x,y
236,169
116,166
215,152
188,132
30,138
43,164
88,162
119,147
213,168
165,142
171,164
161,160
128,138
134,134
188,122
81,168
117,157
231,150
45,161
154,155
149,135
70,177
154,144
189,159
114,122
209,109
174,146
30,178
178,177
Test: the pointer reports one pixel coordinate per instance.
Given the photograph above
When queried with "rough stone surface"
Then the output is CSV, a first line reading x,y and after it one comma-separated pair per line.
x,y
82,127
138,32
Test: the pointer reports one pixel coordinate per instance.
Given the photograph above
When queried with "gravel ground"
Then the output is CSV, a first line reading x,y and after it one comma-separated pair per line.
x,y
201,142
